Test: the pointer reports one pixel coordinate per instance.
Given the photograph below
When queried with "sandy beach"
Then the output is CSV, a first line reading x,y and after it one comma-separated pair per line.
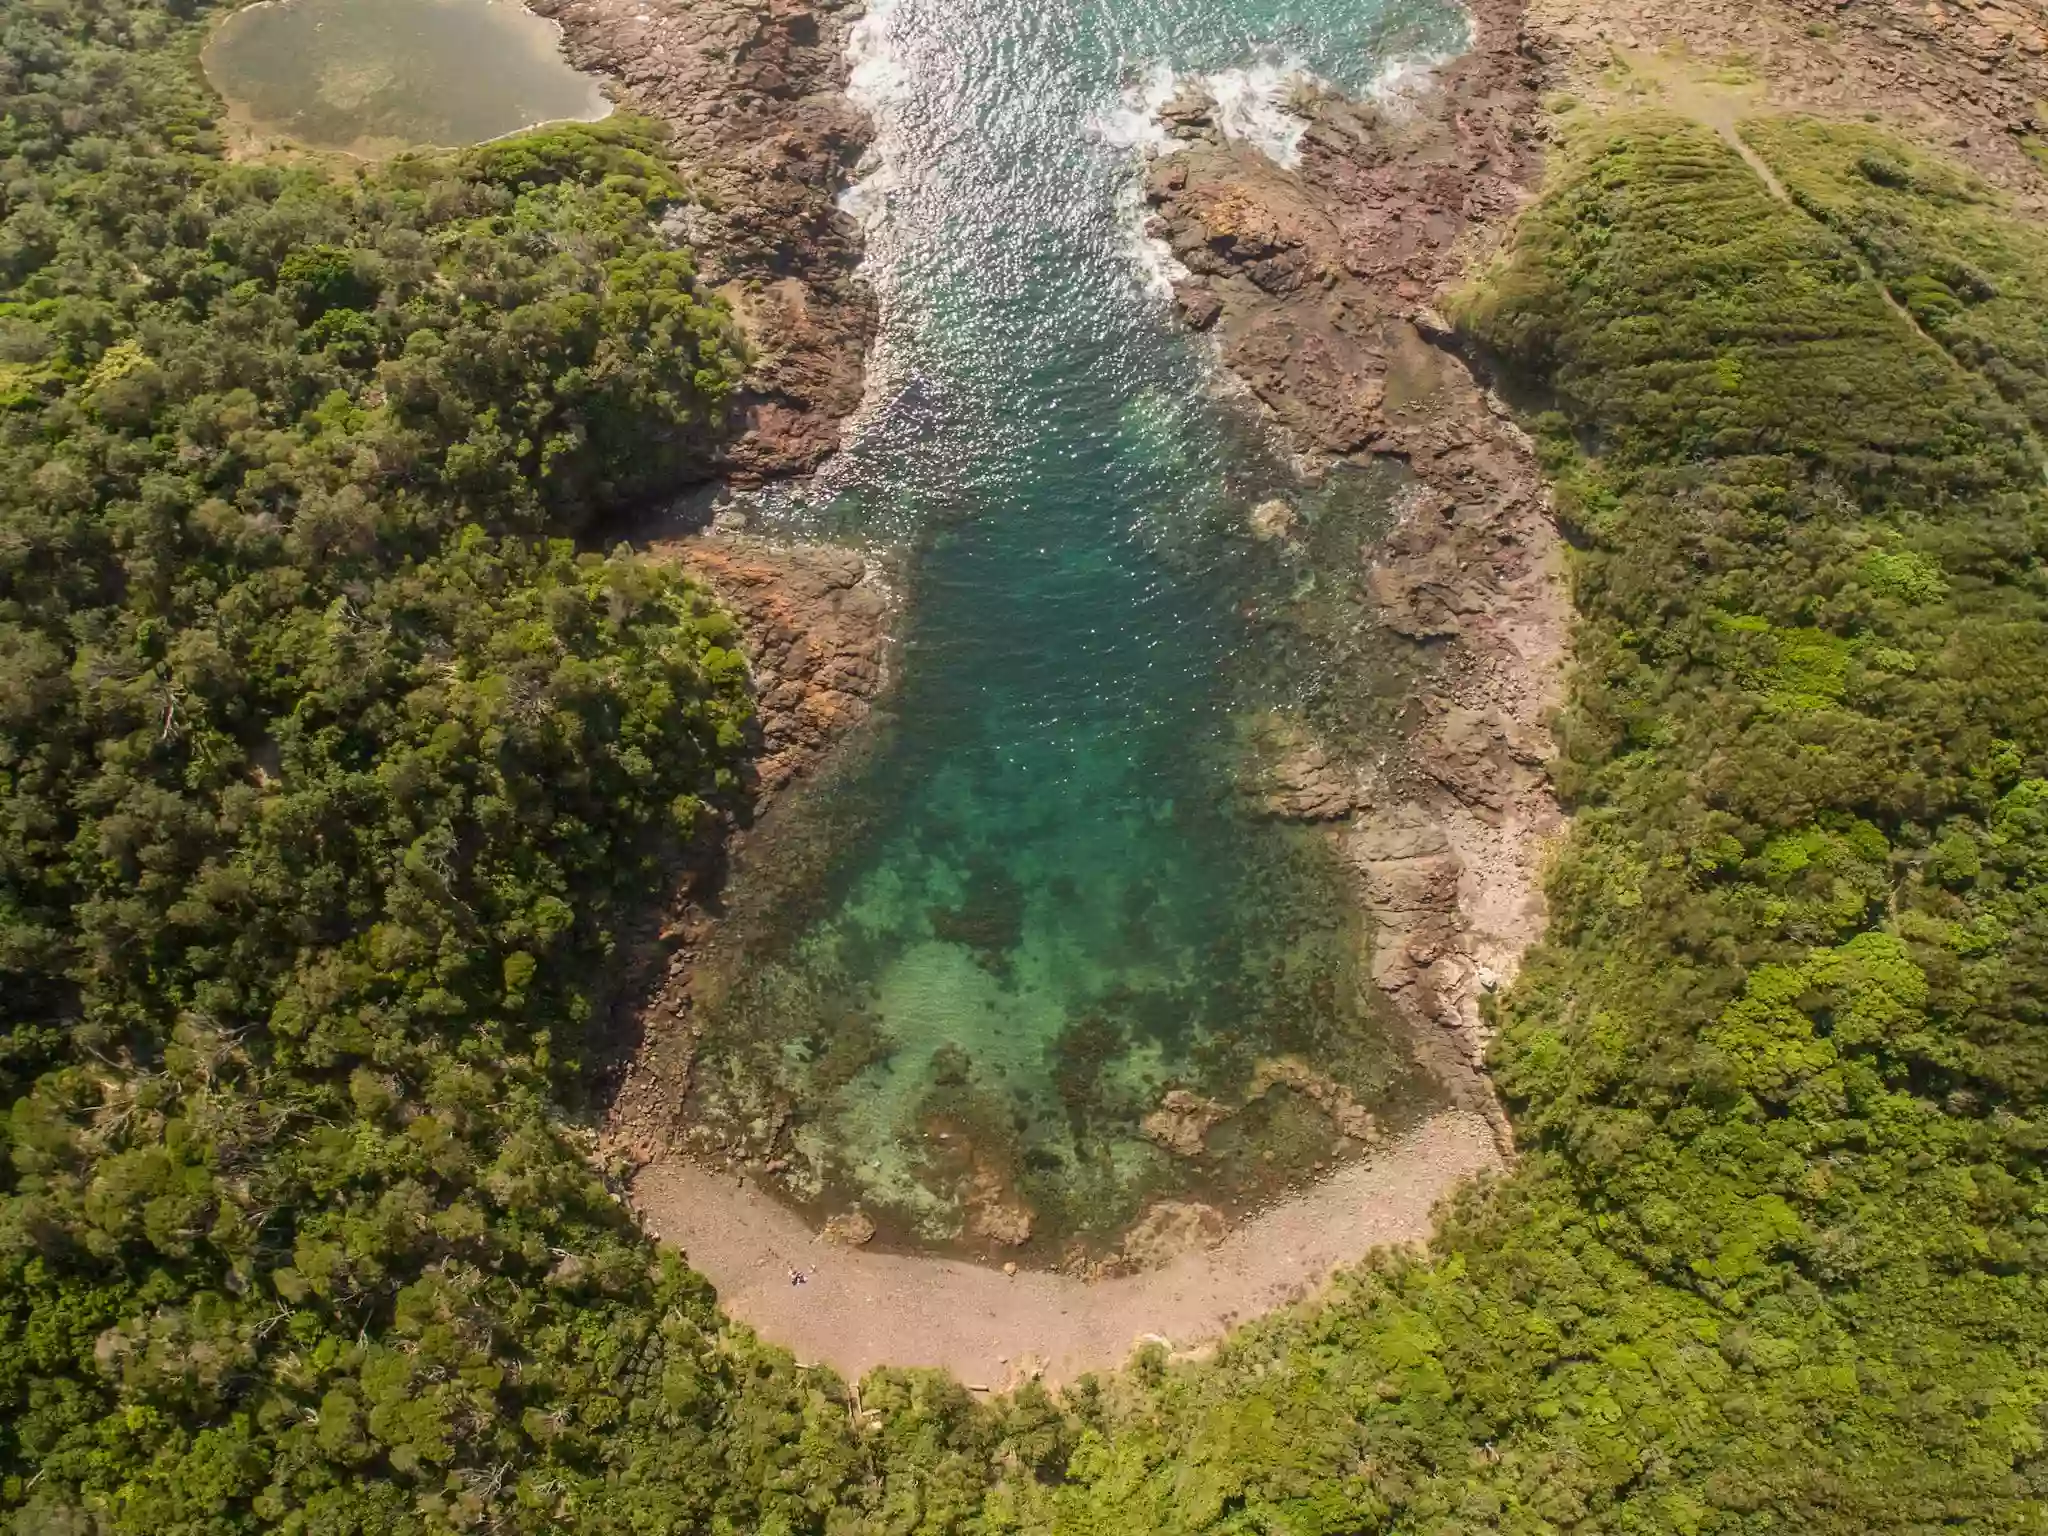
x,y
860,1309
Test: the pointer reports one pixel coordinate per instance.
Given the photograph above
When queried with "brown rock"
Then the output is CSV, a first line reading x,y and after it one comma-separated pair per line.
x,y
851,1228
1466,752
1310,785
1181,1122
1198,306
815,634
1169,1229
750,91
993,1212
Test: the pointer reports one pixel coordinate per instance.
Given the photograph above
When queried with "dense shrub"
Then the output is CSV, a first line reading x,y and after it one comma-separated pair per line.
x,y
327,784
1775,1256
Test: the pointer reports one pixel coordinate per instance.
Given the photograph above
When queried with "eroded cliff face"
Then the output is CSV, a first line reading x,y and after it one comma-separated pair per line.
x,y
1316,281
752,92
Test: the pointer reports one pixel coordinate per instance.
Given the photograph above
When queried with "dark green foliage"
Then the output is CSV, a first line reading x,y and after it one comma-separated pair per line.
x,y
325,789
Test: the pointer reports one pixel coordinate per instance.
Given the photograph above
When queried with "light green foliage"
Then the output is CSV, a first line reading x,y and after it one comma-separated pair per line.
x,y
1947,245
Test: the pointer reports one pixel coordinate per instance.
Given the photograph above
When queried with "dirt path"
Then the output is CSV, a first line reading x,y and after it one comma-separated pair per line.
x,y
1682,85
860,1309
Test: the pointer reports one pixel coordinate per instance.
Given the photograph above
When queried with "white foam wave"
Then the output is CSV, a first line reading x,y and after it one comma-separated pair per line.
x,y
1254,107
1154,258
1134,123
1405,77
878,84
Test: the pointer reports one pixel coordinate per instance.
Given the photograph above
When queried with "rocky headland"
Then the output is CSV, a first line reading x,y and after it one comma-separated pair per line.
x,y
752,93
1320,283
815,622
1317,281
1968,78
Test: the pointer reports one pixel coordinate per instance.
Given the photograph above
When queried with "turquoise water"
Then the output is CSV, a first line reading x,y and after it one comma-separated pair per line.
x,y
1048,892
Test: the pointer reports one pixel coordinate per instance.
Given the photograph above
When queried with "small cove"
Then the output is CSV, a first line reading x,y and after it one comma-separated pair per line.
x,y
1048,893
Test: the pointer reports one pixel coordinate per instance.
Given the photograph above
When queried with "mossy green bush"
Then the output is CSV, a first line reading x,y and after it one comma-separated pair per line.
x,y
1945,244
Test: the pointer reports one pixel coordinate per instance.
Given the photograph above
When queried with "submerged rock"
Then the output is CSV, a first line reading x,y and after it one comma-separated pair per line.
x,y
1181,1122
852,1228
1350,1117
1275,519
1169,1229
752,94
993,1212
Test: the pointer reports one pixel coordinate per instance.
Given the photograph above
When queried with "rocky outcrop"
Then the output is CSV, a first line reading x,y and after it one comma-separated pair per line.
x,y
993,1211
851,1229
1182,1122
814,623
1318,282
1308,782
815,620
1167,1230
751,91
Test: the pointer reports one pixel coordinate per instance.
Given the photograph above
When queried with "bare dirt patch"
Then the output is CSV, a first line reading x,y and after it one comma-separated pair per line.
x,y
1967,77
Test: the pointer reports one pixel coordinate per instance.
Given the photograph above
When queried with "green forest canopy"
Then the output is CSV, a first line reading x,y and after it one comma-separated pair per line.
x,y
331,774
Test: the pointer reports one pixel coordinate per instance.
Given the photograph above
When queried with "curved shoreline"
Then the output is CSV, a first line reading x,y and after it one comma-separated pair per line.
x,y
860,1309
1448,878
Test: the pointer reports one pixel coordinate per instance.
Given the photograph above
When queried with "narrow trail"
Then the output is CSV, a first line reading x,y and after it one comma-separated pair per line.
x,y
1723,112
1777,189
859,1309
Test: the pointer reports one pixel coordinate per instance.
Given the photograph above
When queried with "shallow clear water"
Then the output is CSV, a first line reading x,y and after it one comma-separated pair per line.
x,y
959,978
371,76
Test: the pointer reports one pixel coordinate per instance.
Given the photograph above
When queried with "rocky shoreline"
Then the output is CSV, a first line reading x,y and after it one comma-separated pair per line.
x,y
753,94
1969,78
816,622
1319,283
1316,281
